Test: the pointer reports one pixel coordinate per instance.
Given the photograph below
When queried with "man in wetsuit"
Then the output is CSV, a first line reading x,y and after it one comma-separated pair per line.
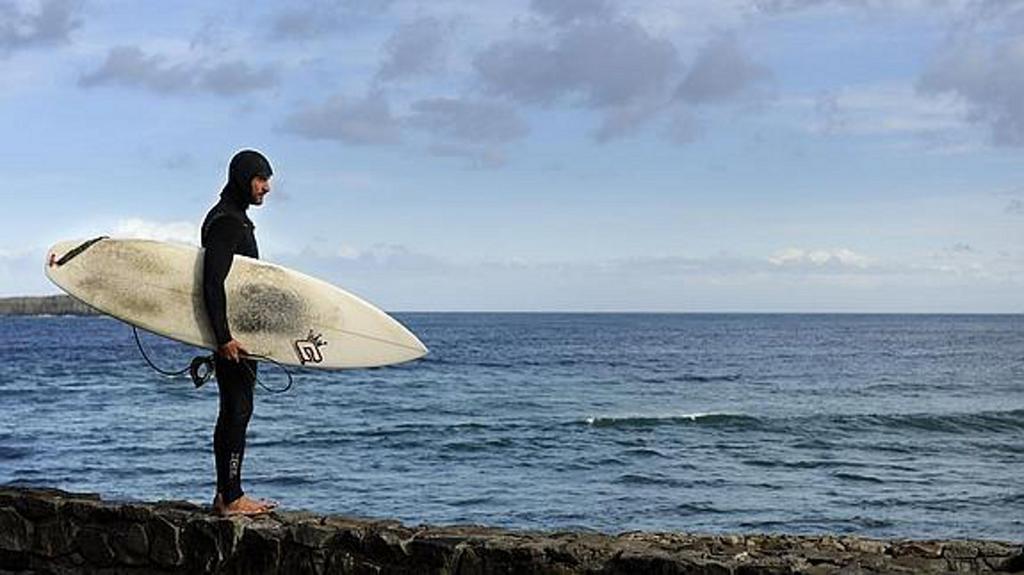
x,y
227,231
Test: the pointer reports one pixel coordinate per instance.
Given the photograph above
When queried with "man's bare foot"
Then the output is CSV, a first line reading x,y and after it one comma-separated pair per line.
x,y
242,506
268,503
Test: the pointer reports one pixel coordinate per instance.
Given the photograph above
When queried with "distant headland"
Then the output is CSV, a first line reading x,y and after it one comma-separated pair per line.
x,y
44,305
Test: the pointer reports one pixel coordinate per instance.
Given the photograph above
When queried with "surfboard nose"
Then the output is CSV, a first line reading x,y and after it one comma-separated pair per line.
x,y
55,254
410,345
417,344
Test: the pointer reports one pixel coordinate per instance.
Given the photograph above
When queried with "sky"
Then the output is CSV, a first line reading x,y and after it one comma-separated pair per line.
x,y
539,155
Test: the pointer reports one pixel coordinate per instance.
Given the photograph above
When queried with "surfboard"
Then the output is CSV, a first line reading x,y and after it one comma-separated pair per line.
x,y
273,311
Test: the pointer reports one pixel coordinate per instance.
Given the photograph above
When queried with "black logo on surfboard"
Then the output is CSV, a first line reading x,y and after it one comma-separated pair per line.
x,y
308,349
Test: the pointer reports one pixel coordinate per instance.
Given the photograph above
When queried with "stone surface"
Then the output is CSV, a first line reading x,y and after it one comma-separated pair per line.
x,y
50,531
165,542
15,531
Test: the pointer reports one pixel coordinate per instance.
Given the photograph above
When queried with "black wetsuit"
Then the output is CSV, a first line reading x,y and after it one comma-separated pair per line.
x,y
227,231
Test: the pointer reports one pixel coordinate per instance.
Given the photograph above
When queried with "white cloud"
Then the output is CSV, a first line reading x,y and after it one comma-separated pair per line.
x,y
820,258
181,232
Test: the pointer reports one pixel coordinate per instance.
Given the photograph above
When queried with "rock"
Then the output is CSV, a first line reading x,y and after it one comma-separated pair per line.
x,y
1008,564
311,534
87,510
92,543
432,553
37,508
134,512
57,532
130,545
955,550
919,549
200,541
859,545
164,542
259,550
15,561
15,531
53,538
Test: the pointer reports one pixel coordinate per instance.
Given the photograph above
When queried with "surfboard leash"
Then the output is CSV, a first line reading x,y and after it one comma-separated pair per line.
x,y
201,368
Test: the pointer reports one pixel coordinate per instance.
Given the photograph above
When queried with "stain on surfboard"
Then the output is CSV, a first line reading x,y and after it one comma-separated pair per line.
x,y
263,307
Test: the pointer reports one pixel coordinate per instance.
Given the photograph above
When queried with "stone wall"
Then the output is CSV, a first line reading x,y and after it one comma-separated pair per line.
x,y
52,305
51,531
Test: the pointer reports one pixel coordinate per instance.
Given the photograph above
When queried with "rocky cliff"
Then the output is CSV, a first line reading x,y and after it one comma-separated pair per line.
x,y
51,305
51,531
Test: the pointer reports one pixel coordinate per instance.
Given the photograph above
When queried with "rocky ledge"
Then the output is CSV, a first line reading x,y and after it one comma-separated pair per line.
x,y
51,531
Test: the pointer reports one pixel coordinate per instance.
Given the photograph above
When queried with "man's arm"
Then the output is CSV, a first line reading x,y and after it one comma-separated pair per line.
x,y
221,240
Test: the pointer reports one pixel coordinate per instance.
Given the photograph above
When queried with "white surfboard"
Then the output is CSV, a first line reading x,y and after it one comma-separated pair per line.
x,y
272,311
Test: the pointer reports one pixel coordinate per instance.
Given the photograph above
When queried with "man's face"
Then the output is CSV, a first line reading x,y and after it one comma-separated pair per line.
x,y
260,187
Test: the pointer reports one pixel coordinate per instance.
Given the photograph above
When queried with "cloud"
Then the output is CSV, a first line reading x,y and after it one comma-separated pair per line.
x,y
130,66
614,66
479,157
180,231
887,110
570,11
598,59
305,20
468,120
720,72
344,259
397,276
302,23
624,120
49,24
810,280
365,121
235,77
982,63
471,129
783,6
805,259
466,128
602,64
1015,207
416,48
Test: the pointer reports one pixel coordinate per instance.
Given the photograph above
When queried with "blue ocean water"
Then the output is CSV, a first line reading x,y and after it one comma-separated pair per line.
x,y
881,425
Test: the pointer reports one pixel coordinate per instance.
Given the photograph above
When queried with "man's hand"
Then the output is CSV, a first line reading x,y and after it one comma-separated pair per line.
x,y
232,350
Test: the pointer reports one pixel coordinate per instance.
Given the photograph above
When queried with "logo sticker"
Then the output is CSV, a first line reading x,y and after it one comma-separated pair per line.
x,y
308,349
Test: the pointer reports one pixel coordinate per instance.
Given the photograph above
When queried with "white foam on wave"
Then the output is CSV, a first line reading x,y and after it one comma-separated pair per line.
x,y
593,420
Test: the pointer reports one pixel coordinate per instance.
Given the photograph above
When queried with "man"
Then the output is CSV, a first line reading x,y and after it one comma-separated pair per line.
x,y
227,231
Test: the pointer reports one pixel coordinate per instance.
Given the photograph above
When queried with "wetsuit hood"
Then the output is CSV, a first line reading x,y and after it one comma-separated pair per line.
x,y
244,166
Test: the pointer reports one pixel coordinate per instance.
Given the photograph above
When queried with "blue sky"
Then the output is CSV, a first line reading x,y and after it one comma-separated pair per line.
x,y
743,155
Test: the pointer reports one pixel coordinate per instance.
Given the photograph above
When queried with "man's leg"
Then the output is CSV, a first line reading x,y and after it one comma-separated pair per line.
x,y
235,384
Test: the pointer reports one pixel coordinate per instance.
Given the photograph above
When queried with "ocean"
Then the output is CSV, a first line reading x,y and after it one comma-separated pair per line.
x,y
877,425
